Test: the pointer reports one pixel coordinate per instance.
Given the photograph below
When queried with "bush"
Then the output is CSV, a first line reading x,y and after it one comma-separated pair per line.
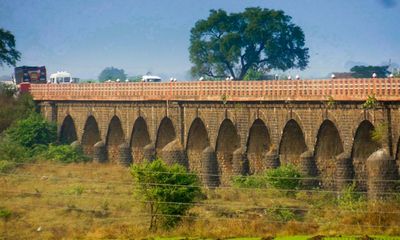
x,y
349,198
167,191
13,152
253,181
284,177
32,131
64,154
6,166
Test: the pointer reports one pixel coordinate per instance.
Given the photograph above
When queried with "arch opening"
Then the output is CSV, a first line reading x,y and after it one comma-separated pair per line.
x,y
197,142
258,145
115,137
292,144
363,147
68,131
91,135
165,134
228,142
328,146
140,138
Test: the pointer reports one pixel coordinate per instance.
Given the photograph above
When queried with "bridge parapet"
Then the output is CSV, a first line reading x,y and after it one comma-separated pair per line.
x,y
384,89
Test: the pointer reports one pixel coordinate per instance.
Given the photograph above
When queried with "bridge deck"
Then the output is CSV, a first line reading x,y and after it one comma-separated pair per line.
x,y
384,89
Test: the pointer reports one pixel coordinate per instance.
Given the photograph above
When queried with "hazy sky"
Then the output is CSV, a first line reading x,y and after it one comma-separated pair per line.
x,y
84,36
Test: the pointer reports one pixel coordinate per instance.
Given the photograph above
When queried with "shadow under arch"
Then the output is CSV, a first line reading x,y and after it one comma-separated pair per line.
x,y
328,146
90,136
258,144
139,139
228,145
68,131
115,137
292,144
363,147
197,142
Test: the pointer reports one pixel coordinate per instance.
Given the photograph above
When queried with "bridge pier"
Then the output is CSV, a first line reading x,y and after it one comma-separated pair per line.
x,y
125,154
100,152
209,171
381,172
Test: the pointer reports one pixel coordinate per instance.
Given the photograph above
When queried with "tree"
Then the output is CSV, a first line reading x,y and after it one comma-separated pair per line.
x,y
34,130
112,73
167,191
258,39
368,71
8,54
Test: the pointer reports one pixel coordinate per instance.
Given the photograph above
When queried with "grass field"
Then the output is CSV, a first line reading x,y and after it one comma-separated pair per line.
x,y
95,201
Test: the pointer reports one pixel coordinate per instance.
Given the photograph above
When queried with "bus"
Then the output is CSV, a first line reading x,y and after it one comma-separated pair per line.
x,y
62,77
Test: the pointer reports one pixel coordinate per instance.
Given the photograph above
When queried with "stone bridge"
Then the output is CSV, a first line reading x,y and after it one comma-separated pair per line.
x,y
220,129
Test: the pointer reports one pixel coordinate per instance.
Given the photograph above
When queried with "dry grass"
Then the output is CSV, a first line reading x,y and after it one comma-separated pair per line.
x,y
95,201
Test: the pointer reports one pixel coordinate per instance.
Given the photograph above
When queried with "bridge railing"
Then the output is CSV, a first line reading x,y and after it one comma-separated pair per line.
x,y
384,89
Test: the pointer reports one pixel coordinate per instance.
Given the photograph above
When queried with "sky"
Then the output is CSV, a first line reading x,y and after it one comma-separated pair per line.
x,y
84,37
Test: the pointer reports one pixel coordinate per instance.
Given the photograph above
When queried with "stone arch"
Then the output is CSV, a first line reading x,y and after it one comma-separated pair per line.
x,y
168,146
139,139
197,142
363,147
228,151
115,137
328,146
165,134
68,131
258,144
292,143
90,136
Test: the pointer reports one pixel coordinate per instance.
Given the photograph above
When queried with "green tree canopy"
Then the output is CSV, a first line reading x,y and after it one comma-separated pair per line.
x,y
8,54
367,71
112,73
258,39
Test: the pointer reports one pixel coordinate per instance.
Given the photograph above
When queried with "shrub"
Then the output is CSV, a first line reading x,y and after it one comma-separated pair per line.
x,y
167,191
349,198
32,131
6,166
64,154
13,152
12,109
283,177
253,181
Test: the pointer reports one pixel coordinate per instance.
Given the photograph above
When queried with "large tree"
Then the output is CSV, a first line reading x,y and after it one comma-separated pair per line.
x,y
8,54
368,71
258,39
112,73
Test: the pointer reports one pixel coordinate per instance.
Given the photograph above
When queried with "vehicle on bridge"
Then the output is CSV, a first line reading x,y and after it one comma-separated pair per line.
x,y
150,78
62,77
30,74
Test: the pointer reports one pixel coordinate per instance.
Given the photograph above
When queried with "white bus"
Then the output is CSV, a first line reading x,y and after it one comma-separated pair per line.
x,y
63,78
150,78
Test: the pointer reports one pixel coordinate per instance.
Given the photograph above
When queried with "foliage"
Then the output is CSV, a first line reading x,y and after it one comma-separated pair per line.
x,y
232,44
7,90
379,133
12,109
284,177
330,102
6,166
166,190
65,154
13,152
8,54
32,131
371,102
349,198
112,73
368,71
252,74
5,213
253,181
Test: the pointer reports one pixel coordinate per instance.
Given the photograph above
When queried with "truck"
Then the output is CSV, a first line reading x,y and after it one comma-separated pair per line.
x,y
30,74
